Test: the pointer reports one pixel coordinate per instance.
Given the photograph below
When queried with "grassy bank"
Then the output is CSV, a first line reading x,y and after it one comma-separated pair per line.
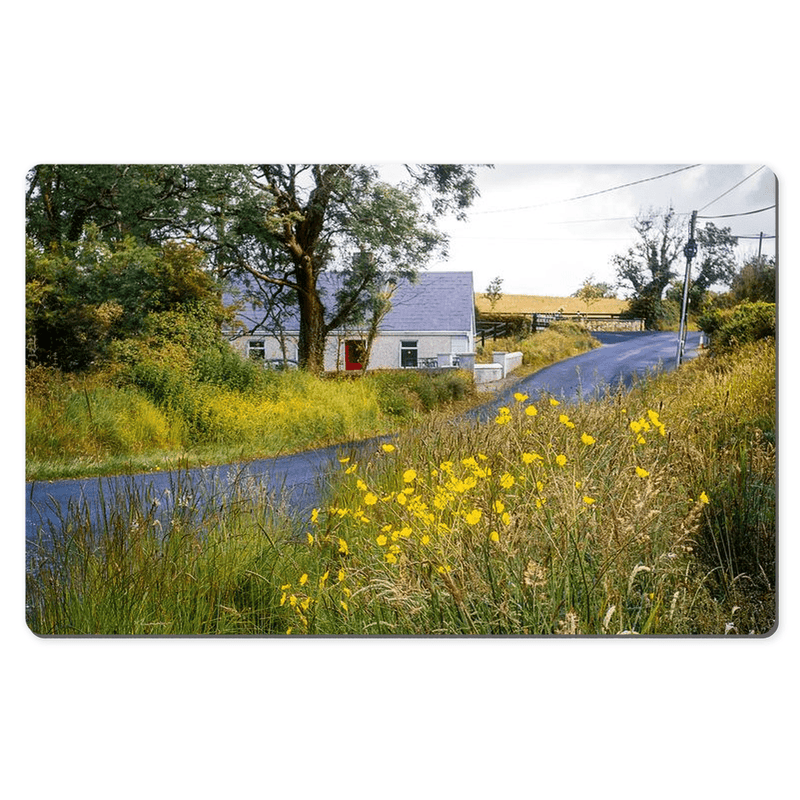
x,y
158,411
646,513
558,341
87,426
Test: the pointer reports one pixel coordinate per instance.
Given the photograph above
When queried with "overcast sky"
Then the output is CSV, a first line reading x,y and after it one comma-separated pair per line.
x,y
527,228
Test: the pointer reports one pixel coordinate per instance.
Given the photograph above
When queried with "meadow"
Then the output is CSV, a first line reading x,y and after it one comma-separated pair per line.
x,y
648,512
155,412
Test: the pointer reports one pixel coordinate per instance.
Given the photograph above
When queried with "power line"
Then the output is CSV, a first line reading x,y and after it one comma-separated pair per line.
x,y
742,214
731,189
591,194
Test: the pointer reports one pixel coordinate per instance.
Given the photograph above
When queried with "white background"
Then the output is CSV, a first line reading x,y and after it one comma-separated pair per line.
x,y
611,83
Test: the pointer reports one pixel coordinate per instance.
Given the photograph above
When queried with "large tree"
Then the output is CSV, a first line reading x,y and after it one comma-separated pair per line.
x,y
717,261
646,270
287,224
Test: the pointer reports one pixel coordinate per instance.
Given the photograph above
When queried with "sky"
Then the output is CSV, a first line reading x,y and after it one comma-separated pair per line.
x,y
527,229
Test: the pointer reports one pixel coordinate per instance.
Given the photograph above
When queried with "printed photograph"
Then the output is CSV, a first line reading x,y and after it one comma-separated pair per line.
x,y
401,400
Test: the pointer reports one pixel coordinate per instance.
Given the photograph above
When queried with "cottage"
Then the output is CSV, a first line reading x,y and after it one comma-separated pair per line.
x,y
429,321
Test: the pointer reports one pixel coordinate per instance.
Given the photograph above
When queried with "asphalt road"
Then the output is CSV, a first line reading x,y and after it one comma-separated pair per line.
x,y
297,479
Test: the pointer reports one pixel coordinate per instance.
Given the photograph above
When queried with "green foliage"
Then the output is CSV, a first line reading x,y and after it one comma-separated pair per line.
x,y
755,282
591,291
717,261
742,324
81,299
405,393
649,266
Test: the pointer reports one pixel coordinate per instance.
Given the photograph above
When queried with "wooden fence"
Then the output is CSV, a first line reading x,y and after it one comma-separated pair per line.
x,y
498,328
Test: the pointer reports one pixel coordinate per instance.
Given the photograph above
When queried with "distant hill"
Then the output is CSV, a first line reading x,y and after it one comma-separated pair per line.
x,y
538,304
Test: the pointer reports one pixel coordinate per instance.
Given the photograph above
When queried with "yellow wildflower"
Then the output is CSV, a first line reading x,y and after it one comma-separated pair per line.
x,y
531,411
503,417
381,540
361,485
343,604
506,480
370,499
310,538
314,514
642,473
391,558
704,498
554,402
588,500
494,536
344,460
387,448
340,576
323,578
564,420
401,498
350,470
519,397
561,460
499,506
586,439
425,539
409,475
473,517
304,579
343,548
506,517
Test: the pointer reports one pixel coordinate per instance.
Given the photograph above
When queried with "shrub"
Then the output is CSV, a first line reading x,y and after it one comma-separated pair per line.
x,y
402,393
740,325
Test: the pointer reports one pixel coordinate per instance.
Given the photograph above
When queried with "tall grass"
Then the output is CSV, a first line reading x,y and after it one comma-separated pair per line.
x,y
89,425
558,341
650,512
158,564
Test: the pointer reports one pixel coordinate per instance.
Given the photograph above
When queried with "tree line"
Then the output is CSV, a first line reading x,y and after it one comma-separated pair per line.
x,y
108,245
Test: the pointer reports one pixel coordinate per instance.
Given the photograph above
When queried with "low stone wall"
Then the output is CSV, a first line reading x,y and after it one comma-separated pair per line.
x,y
487,373
613,325
508,361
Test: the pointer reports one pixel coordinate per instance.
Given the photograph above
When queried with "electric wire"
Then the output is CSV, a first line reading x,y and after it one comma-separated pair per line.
x,y
731,189
590,194
741,214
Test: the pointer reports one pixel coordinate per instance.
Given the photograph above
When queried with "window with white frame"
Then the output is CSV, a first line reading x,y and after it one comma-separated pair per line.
x,y
408,353
256,349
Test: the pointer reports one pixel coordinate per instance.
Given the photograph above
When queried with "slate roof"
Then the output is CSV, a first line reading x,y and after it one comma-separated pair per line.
x,y
437,301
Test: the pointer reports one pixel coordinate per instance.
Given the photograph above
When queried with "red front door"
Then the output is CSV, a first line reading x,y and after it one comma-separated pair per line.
x,y
354,353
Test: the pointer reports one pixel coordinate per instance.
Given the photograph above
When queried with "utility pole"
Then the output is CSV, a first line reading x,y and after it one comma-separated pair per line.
x,y
690,251
760,239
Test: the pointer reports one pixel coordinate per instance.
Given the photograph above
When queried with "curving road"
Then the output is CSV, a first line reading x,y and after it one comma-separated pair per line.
x,y
297,479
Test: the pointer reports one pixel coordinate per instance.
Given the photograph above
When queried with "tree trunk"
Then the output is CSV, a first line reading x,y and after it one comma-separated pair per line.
x,y
311,346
